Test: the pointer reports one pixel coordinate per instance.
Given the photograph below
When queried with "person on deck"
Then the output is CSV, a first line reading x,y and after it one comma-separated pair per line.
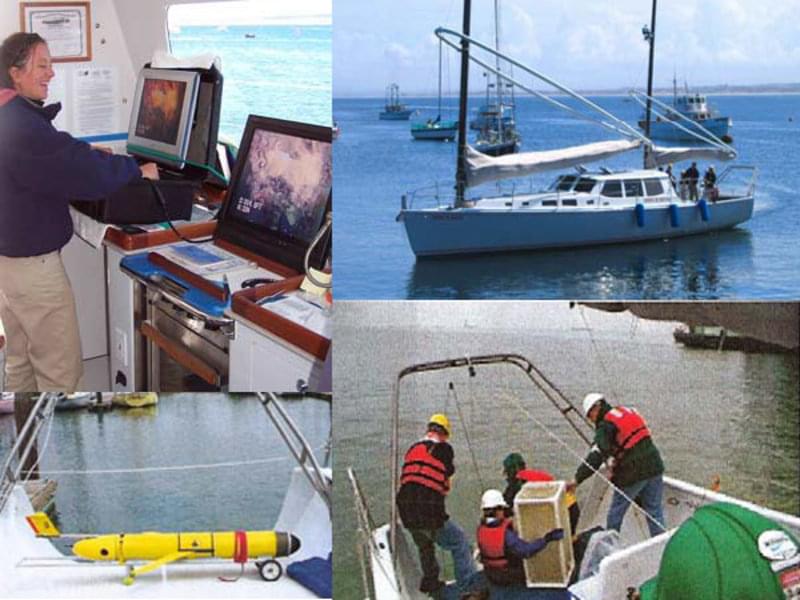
x,y
622,435
692,177
517,474
709,183
41,170
502,550
424,485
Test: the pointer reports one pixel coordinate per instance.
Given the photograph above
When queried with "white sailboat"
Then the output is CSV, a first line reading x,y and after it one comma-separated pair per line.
x,y
587,208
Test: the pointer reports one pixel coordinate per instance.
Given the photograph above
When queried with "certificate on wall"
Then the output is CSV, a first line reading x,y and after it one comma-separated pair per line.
x,y
66,26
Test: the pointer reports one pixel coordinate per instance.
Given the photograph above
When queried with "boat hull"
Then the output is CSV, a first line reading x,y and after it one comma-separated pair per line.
x,y
397,115
434,232
423,132
497,149
667,131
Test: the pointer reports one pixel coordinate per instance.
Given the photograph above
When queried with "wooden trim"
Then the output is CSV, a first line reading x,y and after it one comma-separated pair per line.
x,y
180,355
264,263
84,4
201,283
244,303
148,239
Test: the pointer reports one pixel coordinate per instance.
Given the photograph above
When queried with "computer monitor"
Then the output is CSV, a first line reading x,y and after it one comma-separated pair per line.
x,y
280,191
162,115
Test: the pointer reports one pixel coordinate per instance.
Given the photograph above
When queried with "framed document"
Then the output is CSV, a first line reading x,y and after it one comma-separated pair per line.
x,y
66,26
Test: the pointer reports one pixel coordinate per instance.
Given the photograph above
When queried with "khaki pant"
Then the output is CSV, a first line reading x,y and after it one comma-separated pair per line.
x,y
37,308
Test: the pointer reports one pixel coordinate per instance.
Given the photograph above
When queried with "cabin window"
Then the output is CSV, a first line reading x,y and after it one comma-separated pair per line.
x,y
569,202
612,189
548,202
633,188
653,187
564,183
585,185
275,61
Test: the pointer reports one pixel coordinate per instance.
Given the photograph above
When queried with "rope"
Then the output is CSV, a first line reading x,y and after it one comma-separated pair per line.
x,y
238,463
466,436
606,375
582,460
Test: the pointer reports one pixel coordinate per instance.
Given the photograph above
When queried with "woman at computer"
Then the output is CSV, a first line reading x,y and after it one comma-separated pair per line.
x,y
41,170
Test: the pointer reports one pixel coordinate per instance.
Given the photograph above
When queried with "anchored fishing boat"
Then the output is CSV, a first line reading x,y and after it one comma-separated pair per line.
x,y
694,108
498,134
579,209
394,110
608,571
188,564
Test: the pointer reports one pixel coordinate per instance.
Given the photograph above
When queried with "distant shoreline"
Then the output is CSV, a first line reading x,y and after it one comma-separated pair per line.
x,y
601,94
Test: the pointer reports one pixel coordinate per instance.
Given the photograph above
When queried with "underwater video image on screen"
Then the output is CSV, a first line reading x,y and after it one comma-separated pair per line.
x,y
284,184
160,110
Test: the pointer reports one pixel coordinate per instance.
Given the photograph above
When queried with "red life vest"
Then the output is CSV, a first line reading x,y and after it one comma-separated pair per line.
x,y
420,466
492,545
534,475
631,428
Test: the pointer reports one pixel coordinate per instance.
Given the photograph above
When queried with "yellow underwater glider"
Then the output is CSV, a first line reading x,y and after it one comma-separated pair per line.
x,y
159,549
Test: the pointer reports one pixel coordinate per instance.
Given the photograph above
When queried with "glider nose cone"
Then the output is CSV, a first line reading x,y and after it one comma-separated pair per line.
x,y
97,548
294,543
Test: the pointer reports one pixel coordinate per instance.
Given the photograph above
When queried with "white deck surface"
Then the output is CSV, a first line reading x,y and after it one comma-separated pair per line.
x,y
55,576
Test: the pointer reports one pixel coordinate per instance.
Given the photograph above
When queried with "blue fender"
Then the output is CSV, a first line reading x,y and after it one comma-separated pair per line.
x,y
674,215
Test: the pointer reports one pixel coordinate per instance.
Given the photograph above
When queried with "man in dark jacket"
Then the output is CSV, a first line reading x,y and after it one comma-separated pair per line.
x,y
41,170
693,176
622,436
424,484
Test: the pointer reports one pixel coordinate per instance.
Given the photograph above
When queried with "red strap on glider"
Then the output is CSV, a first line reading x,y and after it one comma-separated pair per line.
x,y
240,547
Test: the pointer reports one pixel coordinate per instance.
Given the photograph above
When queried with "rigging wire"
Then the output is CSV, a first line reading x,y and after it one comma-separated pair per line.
x,y
464,427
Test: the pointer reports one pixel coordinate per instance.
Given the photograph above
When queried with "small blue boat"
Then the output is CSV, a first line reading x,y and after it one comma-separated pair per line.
x,y
394,110
435,129
694,107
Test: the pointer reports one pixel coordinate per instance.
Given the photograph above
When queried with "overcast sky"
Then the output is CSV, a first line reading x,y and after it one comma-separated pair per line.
x,y
253,12
583,43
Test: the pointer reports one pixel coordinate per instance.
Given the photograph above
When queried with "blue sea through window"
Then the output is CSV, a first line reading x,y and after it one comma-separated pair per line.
x,y
279,71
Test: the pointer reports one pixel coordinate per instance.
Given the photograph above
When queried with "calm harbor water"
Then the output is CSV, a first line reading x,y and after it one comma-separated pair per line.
x,y
730,414
282,71
184,429
377,161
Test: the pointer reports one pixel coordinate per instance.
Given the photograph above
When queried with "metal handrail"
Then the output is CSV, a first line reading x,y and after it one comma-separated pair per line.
x,y
751,184
557,398
298,446
23,446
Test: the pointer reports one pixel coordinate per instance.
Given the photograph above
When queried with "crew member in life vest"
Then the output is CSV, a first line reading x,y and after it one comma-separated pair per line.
x,y
518,474
501,549
622,435
424,485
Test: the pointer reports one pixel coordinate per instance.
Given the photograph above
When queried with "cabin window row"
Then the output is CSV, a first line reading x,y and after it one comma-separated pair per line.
x,y
633,188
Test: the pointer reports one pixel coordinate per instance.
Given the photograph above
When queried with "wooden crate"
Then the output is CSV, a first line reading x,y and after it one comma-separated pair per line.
x,y
538,508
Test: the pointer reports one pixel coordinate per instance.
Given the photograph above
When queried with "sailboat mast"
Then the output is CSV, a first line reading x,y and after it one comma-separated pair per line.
x,y
497,68
439,113
461,171
652,40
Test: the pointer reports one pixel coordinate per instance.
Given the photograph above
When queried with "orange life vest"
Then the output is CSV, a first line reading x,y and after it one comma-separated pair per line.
x,y
631,428
534,475
421,467
492,545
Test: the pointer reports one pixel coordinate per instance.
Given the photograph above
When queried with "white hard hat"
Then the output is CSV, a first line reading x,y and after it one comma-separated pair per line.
x,y
590,400
492,499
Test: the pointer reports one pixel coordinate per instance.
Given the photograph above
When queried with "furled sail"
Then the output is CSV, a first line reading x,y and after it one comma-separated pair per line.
x,y
662,155
482,168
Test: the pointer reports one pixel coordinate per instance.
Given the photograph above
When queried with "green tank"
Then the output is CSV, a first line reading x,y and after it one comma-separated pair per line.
x,y
727,552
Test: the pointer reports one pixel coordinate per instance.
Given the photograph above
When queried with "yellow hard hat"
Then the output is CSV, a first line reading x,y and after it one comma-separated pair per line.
x,y
440,420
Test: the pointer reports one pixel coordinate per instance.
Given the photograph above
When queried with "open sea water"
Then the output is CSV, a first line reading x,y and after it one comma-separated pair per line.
x,y
730,414
378,161
183,429
283,72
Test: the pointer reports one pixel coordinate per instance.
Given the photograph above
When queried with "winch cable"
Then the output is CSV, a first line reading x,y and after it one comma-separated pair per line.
x,y
603,478
608,379
465,429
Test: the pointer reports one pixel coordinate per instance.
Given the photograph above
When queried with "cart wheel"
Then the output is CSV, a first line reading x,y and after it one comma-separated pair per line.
x,y
128,580
270,570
